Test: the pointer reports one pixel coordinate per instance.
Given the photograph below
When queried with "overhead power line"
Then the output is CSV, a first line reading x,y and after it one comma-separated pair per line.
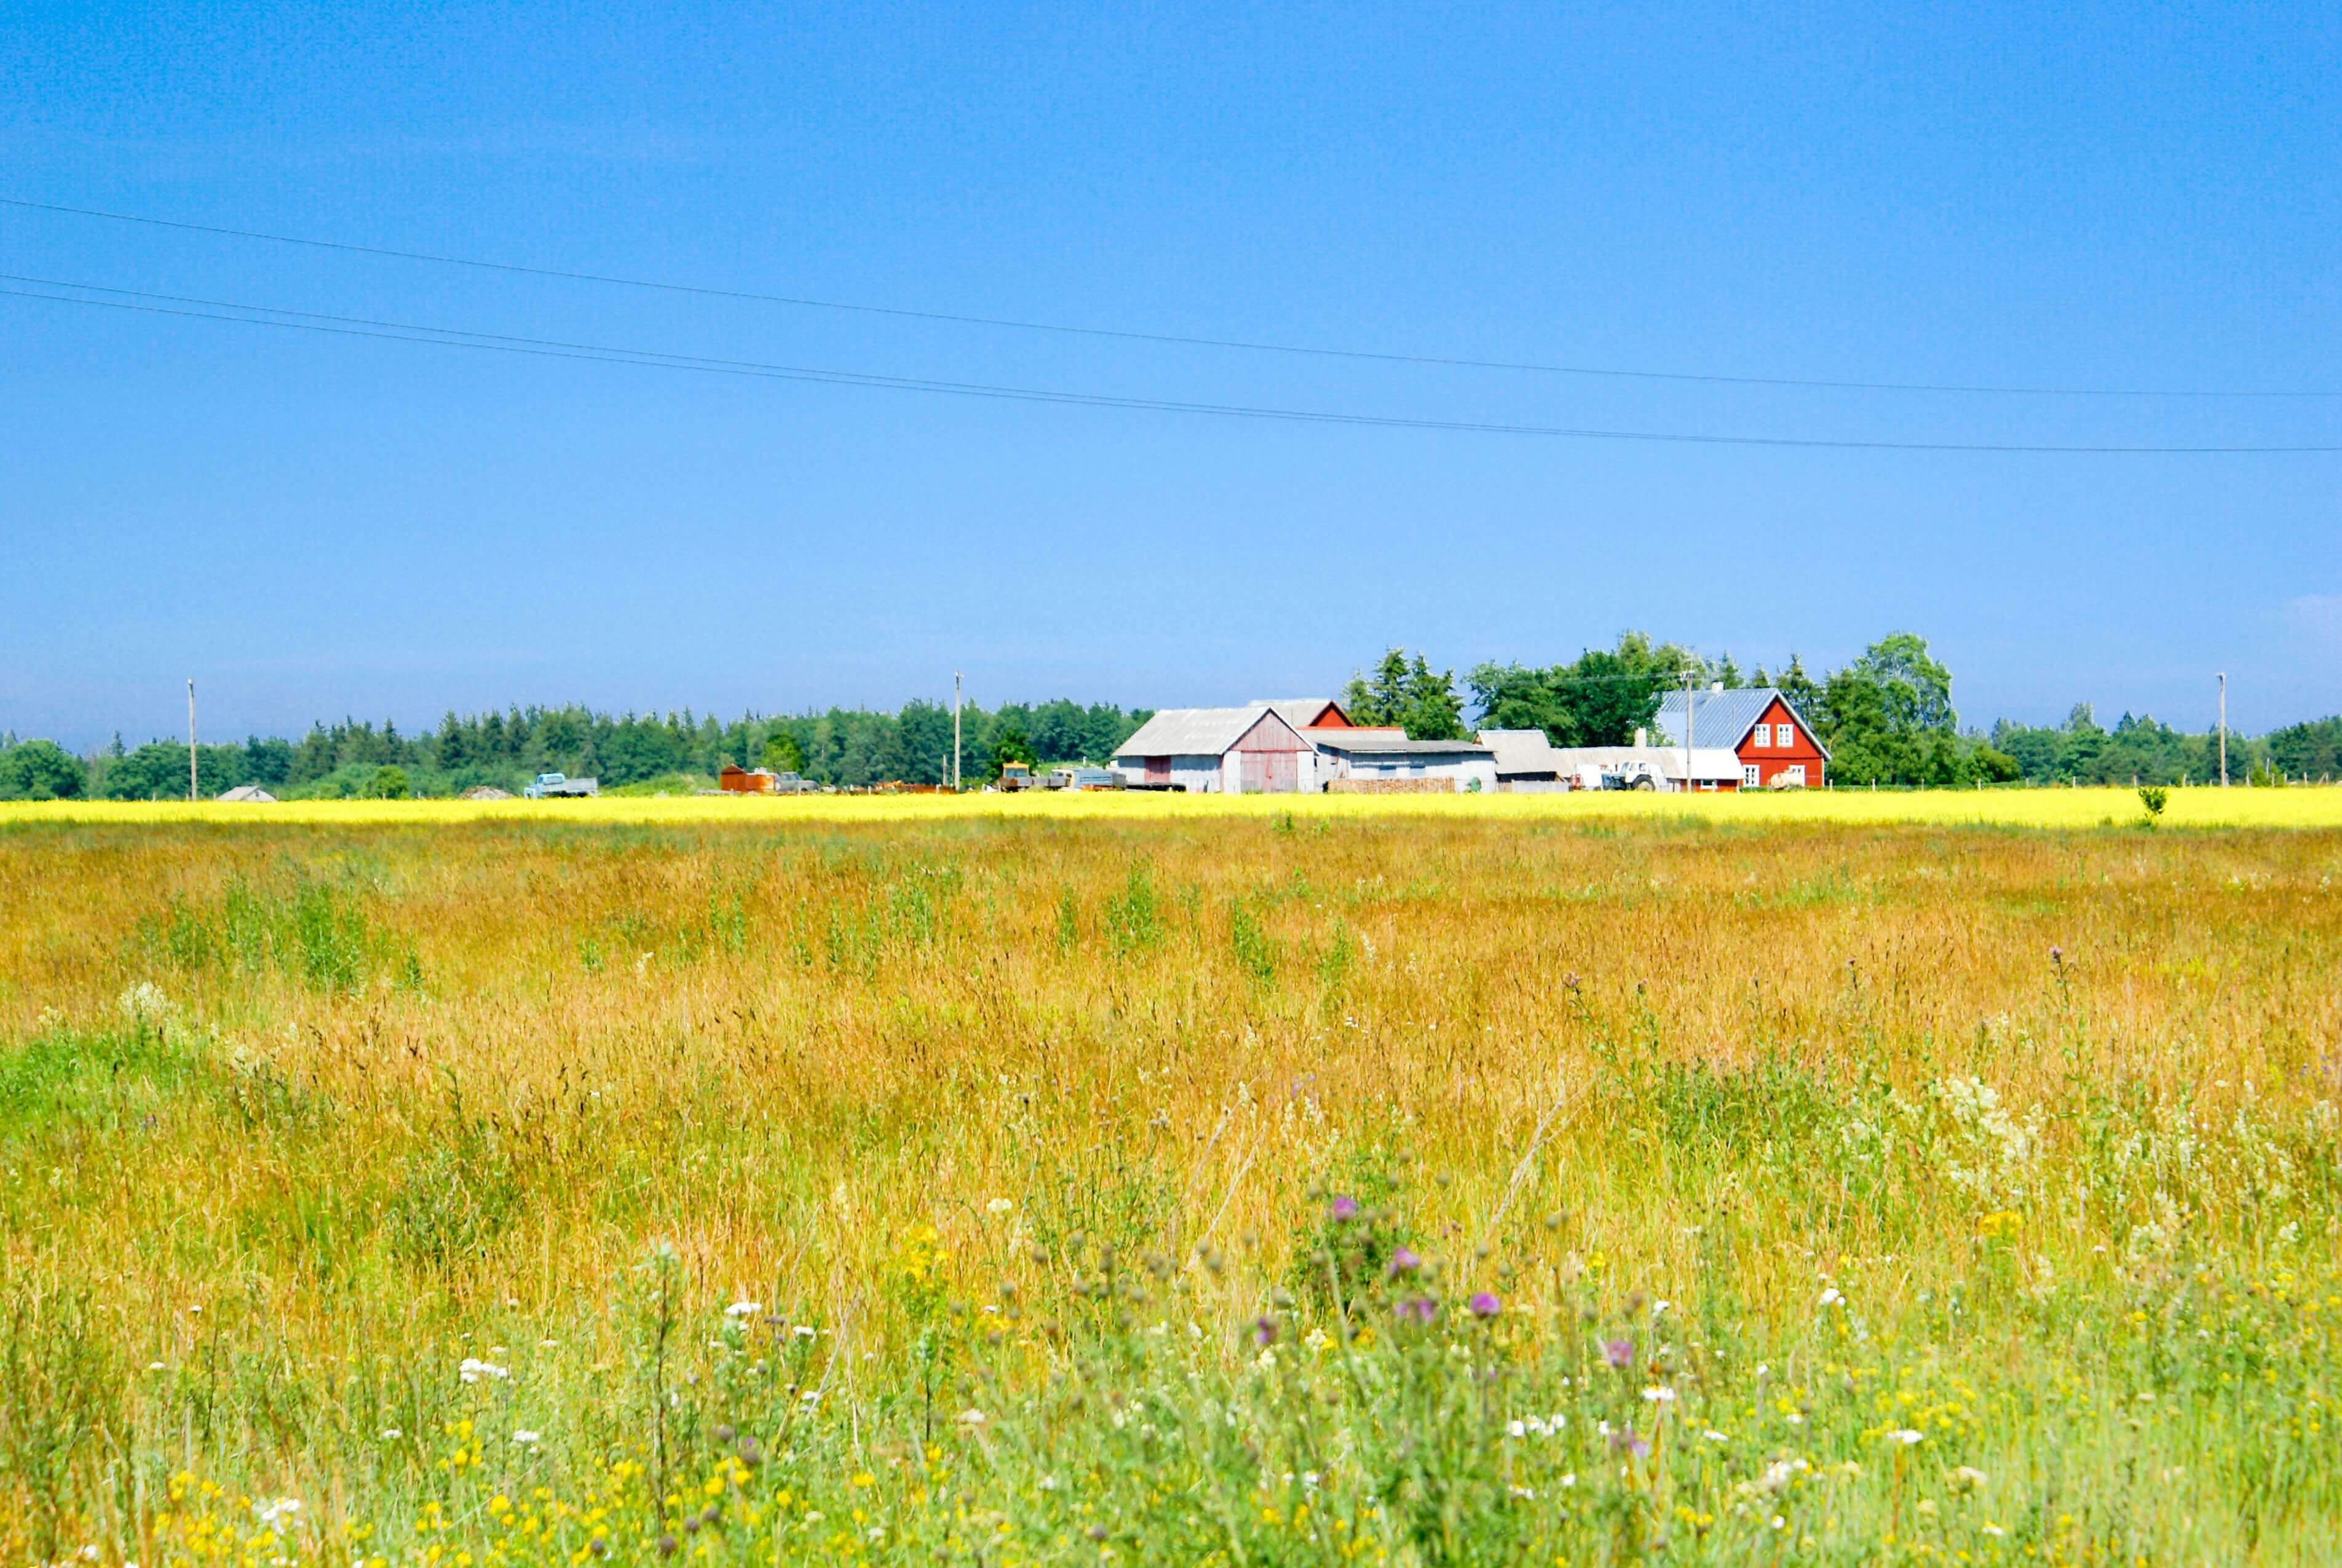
x,y
1248,345
554,348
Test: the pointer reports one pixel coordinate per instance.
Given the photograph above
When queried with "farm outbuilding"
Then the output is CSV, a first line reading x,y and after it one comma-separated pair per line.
x,y
1365,758
1218,751
248,795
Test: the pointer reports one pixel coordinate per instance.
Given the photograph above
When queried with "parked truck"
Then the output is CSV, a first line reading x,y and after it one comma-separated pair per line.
x,y
556,786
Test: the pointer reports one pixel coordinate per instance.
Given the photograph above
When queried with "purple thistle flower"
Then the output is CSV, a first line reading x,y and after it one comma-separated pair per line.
x,y
1345,1208
1484,1304
1626,1441
1403,1261
1264,1330
1416,1309
1618,1353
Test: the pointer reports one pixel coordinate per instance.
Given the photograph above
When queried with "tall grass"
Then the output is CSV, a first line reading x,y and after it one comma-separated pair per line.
x,y
1246,1188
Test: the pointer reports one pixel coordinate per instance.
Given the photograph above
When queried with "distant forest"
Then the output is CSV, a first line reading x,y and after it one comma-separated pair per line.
x,y
1887,717
845,747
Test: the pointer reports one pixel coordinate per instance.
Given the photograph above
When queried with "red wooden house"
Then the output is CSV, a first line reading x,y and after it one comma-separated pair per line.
x,y
1771,738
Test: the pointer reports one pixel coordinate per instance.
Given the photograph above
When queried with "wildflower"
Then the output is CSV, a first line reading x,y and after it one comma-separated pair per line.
x,y
1906,1436
971,1418
1404,1263
1658,1307
1830,1298
805,1332
524,1435
1618,1353
1658,1393
472,1370
1264,1330
1416,1309
1345,1208
1484,1304
1715,1436
391,1434
1517,1428
281,1509
1628,1442
1967,1478
1993,1529
742,1309
999,1206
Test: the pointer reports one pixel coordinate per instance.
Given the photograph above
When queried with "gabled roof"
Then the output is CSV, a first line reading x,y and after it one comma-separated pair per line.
x,y
1523,751
1302,713
1725,718
1200,731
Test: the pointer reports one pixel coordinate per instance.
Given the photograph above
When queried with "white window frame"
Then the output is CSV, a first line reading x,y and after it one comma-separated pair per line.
x,y
1749,778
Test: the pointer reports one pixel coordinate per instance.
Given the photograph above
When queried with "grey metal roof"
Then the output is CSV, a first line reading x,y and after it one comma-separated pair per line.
x,y
1379,742
1199,731
1727,717
1523,751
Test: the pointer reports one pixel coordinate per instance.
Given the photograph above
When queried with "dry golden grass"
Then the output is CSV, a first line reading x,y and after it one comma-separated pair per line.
x,y
344,1094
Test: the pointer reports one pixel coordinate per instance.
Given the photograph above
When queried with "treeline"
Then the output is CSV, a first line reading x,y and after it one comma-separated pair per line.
x,y
1887,718
849,747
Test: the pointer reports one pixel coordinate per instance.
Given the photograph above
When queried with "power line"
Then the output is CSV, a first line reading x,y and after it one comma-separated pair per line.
x,y
548,348
1125,335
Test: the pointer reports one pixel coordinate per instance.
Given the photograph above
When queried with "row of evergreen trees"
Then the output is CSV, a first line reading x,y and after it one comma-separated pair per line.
x,y
845,747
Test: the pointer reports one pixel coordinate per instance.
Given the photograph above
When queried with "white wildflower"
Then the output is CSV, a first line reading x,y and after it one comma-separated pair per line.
x,y
999,1205
741,1309
272,1511
392,1435
524,1435
1906,1436
471,1369
1659,1394
1715,1436
805,1331
971,1418
1830,1298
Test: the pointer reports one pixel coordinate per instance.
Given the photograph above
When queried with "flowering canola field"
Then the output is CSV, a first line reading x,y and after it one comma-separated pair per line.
x,y
1006,1181
2293,806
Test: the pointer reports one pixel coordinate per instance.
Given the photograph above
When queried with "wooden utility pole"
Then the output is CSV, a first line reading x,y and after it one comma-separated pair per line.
x,y
1687,725
191,739
2224,729
954,732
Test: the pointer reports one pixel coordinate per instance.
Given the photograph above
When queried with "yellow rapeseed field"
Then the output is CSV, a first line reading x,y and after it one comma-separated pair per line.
x,y
2291,806
1944,1177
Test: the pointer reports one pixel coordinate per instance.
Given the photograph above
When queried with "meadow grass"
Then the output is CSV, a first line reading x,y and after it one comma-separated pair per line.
x,y
1018,1181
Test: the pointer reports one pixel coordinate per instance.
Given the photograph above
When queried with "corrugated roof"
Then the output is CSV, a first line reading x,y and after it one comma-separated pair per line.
x,y
1378,743
1523,751
1727,716
1197,732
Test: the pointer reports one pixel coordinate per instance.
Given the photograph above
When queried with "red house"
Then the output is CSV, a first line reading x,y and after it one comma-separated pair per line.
x,y
1769,736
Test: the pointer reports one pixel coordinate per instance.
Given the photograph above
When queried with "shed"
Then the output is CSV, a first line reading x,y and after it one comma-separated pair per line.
x,y
1218,751
248,795
1526,760
1362,757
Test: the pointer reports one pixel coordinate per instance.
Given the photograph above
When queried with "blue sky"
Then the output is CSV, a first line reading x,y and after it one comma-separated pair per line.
x,y
2085,196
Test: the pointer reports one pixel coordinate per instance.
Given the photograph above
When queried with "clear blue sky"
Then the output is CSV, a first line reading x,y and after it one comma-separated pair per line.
x,y
2068,196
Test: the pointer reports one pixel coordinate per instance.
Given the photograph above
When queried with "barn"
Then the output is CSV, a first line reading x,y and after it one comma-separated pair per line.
x,y
1774,744
1218,751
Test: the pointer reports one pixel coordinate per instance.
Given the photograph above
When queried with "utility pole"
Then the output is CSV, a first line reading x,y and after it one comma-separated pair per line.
x,y
954,732
1687,726
191,739
2224,729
